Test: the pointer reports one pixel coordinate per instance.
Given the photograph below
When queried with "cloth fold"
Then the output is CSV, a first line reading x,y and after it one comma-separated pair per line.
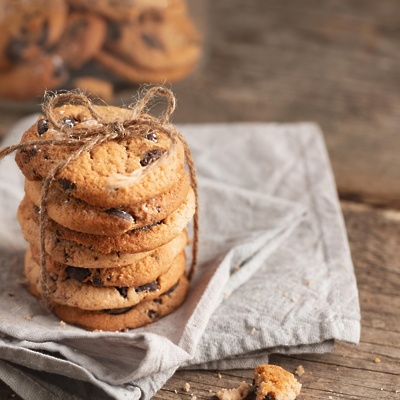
x,y
275,274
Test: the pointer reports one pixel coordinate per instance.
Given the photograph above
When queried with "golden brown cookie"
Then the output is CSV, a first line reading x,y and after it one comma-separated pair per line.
x,y
75,254
28,28
31,79
135,74
89,297
82,39
144,313
275,383
135,241
77,215
157,41
112,173
143,271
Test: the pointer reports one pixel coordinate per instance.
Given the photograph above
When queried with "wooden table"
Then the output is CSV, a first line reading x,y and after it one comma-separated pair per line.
x,y
336,63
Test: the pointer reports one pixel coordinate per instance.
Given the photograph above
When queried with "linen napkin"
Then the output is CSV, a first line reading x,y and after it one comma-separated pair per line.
x,y
275,274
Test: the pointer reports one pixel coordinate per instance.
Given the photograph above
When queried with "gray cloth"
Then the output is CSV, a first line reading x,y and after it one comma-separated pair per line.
x,y
275,275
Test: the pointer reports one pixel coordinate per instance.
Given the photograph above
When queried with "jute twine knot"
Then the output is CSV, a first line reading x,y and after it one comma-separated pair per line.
x,y
86,138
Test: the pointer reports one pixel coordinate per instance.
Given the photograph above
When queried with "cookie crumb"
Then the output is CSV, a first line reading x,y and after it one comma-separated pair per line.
x,y
186,387
272,381
299,370
377,360
219,376
27,317
330,397
309,282
176,391
238,393
62,323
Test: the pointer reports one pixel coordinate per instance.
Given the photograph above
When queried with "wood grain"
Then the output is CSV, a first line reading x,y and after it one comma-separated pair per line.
x,y
332,62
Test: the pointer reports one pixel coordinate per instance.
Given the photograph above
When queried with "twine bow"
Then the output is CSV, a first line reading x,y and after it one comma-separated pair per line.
x,y
89,137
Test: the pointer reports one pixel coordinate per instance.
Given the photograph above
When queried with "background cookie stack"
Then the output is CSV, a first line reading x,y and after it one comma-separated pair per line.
x,y
95,45
116,232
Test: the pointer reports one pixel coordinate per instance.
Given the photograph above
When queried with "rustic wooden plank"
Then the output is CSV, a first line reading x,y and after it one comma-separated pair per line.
x,y
350,372
309,60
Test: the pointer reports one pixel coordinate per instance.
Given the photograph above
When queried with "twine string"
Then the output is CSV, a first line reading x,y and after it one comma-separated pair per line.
x,y
89,137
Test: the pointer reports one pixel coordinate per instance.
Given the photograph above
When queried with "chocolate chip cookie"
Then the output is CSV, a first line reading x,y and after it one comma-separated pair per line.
x,y
157,41
119,319
32,78
77,215
135,241
89,297
110,174
29,29
145,270
83,37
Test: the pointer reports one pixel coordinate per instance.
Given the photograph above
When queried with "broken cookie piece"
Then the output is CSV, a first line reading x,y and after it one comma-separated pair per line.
x,y
239,393
275,383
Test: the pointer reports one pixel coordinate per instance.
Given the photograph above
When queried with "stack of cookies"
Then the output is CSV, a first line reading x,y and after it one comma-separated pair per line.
x,y
95,45
117,215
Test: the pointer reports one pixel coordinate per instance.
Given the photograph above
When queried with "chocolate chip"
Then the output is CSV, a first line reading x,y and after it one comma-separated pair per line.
x,y
32,152
44,35
42,126
36,174
117,311
171,289
150,157
113,32
151,136
120,214
152,41
123,291
66,256
97,281
152,314
36,209
79,274
68,122
147,227
66,184
148,287
59,71
15,49
269,396
79,27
